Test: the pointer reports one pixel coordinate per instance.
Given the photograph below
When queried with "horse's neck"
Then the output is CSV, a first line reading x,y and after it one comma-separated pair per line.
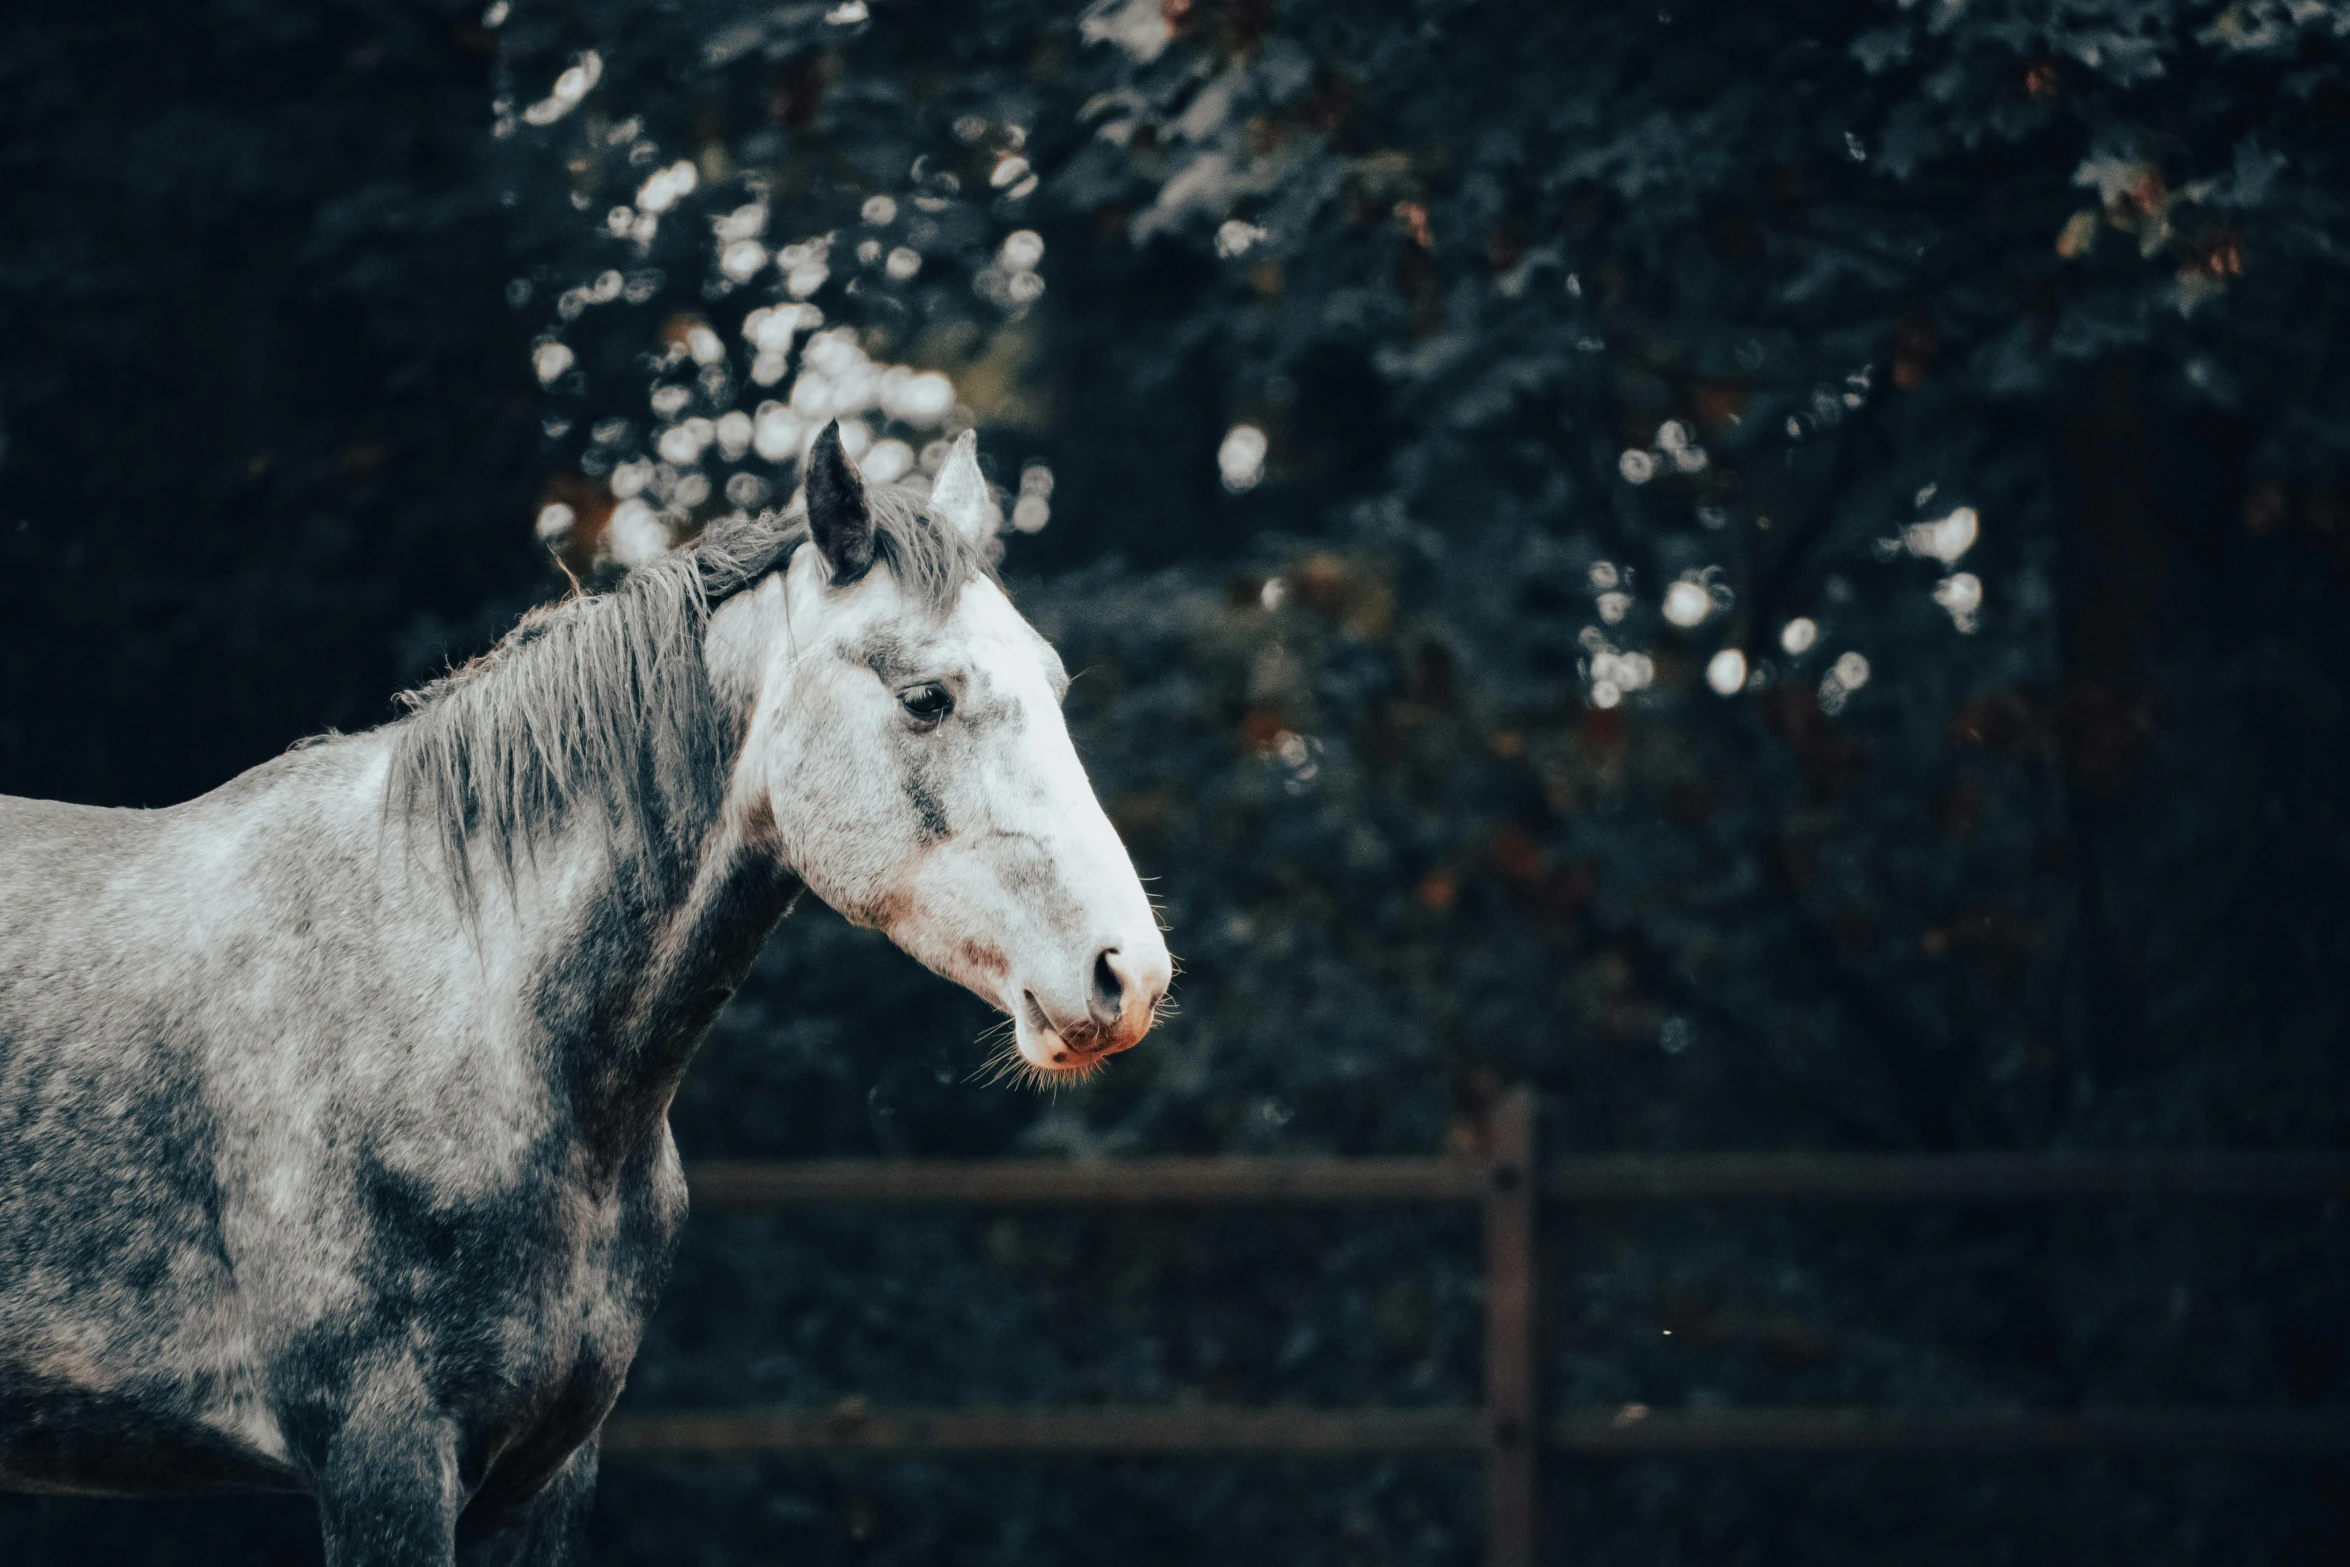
x,y
643,957
642,973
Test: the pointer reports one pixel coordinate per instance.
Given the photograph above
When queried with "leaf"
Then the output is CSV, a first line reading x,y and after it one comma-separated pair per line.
x,y
2078,236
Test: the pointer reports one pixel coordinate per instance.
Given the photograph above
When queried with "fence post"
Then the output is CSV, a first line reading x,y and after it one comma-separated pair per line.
x,y
1511,1429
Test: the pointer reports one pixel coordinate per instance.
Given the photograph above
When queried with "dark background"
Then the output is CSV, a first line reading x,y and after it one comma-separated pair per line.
x,y
271,446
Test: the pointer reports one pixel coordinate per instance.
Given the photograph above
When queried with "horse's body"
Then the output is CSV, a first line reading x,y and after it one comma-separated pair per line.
x,y
334,1152
272,1136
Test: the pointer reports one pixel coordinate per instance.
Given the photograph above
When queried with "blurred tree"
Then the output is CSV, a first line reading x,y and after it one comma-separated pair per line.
x,y
1800,521
1783,482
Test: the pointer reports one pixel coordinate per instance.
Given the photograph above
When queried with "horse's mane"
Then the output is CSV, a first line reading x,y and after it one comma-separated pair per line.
x,y
603,701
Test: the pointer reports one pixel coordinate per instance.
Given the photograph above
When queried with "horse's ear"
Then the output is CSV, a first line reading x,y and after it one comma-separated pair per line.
x,y
960,496
838,518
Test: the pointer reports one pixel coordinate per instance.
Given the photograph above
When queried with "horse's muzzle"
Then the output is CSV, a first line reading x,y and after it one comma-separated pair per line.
x,y
1122,995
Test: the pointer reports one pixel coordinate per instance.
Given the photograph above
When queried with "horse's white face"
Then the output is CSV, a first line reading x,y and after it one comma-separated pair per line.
x,y
914,770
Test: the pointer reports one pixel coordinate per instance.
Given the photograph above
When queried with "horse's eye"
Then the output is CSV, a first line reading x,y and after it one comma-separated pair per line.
x,y
926,703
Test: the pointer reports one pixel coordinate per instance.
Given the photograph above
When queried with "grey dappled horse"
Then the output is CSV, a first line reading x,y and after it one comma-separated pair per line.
x,y
334,1147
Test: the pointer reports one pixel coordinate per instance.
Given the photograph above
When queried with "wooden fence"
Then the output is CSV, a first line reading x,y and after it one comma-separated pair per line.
x,y
1508,1182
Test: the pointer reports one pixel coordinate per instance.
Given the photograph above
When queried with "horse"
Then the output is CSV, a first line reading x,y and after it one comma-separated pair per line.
x,y
334,1142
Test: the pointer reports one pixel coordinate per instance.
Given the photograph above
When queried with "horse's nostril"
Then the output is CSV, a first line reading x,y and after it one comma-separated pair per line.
x,y
1106,997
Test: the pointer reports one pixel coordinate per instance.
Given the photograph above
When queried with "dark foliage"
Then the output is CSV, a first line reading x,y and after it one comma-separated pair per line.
x,y
1999,348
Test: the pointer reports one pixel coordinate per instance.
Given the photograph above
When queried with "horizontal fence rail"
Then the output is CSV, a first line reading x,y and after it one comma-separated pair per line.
x,y
1967,1177
1506,1182
749,1186
2119,1430
1139,1430
1348,1433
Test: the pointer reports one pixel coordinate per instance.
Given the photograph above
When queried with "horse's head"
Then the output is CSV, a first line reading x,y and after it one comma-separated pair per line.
x,y
906,749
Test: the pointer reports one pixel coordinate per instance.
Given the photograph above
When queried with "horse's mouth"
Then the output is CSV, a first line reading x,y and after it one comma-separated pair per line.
x,y
1071,1050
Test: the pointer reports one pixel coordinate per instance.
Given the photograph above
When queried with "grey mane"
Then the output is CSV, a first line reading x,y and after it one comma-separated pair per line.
x,y
603,702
